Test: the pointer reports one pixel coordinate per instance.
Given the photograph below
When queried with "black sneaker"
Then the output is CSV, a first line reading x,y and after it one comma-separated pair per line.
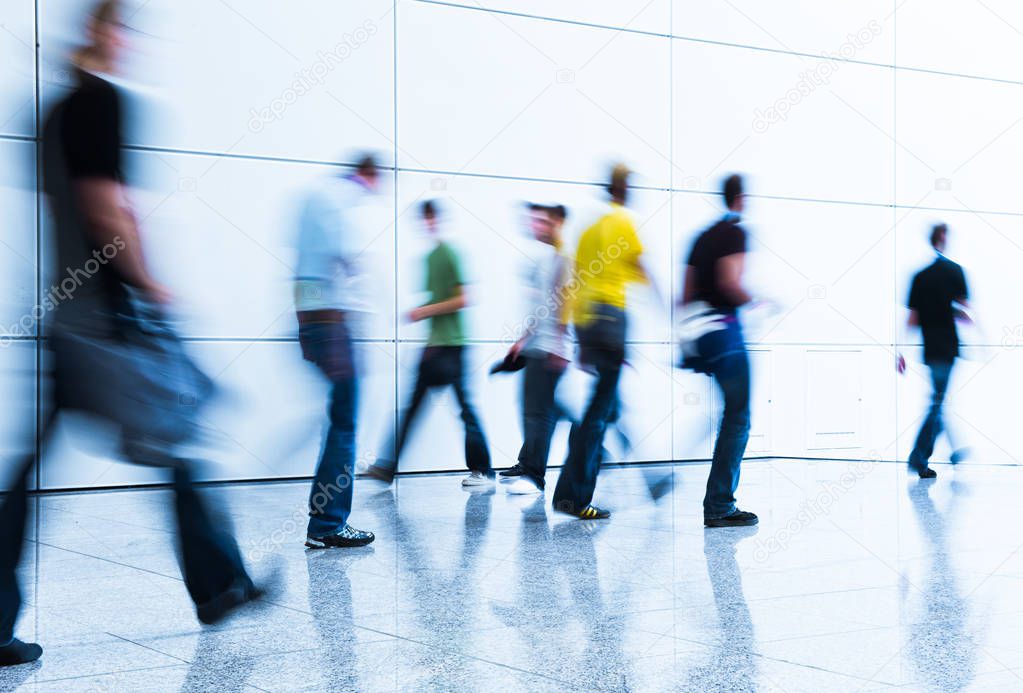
x,y
740,518
590,512
346,537
512,472
926,473
18,652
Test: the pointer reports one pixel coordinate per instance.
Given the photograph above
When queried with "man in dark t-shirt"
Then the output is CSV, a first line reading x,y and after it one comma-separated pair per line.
x,y
937,298
99,255
714,276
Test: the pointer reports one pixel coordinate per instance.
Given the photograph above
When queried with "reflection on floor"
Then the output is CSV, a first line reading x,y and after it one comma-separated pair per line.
x,y
858,578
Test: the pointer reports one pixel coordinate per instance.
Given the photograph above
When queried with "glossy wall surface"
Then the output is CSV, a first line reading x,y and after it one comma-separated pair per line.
x,y
857,128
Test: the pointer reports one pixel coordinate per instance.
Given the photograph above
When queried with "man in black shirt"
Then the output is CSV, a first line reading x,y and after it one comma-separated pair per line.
x,y
100,262
714,277
937,298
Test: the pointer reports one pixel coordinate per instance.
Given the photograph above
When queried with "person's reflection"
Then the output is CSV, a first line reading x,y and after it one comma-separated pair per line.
x,y
733,660
328,580
534,610
939,650
602,662
446,601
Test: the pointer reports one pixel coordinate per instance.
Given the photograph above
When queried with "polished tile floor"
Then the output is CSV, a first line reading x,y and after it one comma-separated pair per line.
x,y
858,578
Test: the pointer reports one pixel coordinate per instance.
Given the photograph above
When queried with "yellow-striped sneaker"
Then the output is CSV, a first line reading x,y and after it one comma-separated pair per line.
x,y
590,512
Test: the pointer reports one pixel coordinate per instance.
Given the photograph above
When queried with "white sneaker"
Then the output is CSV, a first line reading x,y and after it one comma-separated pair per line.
x,y
477,479
522,487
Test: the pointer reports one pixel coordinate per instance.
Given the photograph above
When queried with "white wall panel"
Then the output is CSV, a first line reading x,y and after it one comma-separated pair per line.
x,y
17,238
851,30
528,97
517,102
636,15
738,109
957,139
17,80
795,401
221,234
834,402
974,38
483,219
257,77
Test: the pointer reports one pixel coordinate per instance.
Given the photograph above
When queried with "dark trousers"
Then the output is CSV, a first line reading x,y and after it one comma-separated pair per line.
x,y
540,414
601,348
209,556
728,364
941,372
326,343
439,367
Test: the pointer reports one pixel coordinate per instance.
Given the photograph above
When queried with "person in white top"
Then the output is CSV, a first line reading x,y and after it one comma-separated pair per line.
x,y
332,301
544,346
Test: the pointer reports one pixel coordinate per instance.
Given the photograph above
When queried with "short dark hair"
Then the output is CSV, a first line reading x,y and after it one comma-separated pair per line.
x,y
557,212
732,189
367,166
938,234
428,209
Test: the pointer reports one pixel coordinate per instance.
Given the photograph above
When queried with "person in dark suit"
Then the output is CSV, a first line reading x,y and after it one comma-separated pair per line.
x,y
937,299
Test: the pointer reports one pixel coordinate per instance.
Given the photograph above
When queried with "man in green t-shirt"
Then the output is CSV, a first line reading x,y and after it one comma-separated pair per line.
x,y
442,363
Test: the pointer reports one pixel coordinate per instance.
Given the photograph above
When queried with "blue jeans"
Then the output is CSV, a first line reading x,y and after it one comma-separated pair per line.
x,y
728,363
602,348
327,344
932,426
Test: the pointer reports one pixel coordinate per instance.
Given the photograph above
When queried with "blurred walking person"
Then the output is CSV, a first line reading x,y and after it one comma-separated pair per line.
x,y
714,286
115,357
607,260
442,363
333,304
544,348
938,297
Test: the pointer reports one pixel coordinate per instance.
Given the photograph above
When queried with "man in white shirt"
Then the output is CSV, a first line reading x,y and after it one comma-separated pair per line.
x,y
545,347
333,302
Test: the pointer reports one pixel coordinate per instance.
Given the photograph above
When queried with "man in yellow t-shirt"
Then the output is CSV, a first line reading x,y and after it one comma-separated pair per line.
x,y
607,261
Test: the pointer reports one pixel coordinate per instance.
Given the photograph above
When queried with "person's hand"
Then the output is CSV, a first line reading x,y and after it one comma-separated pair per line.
x,y
157,293
900,363
516,349
417,314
